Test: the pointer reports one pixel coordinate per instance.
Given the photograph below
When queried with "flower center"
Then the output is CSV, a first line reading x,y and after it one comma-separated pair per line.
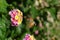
x,y
16,17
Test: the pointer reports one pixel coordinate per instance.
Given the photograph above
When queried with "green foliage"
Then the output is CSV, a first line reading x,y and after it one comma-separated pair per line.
x,y
37,12
3,6
34,12
52,10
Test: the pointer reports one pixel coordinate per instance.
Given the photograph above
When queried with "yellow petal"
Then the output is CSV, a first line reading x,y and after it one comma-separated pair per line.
x,y
19,21
19,12
32,37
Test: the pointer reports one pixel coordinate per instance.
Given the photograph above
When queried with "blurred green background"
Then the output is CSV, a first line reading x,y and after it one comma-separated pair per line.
x,y
38,15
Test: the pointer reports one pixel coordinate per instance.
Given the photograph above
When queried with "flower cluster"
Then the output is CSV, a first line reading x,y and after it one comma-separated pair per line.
x,y
29,37
16,17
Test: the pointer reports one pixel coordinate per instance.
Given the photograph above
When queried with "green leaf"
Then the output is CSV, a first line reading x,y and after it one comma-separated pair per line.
x,y
52,10
55,2
29,2
25,9
18,30
35,28
2,35
9,38
12,33
34,12
3,6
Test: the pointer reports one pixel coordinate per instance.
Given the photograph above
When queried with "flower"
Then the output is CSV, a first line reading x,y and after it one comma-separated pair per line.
x,y
29,37
40,25
16,17
36,32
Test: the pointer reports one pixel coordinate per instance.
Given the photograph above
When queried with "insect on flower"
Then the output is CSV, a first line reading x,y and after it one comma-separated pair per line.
x,y
16,17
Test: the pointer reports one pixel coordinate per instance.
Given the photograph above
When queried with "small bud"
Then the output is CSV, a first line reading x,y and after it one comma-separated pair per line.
x,y
36,32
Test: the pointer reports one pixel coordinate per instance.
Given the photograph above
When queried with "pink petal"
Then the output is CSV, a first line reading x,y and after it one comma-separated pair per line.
x,y
15,11
14,22
10,13
12,19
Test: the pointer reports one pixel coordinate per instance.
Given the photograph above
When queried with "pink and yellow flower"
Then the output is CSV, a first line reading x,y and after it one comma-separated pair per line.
x,y
29,37
16,17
